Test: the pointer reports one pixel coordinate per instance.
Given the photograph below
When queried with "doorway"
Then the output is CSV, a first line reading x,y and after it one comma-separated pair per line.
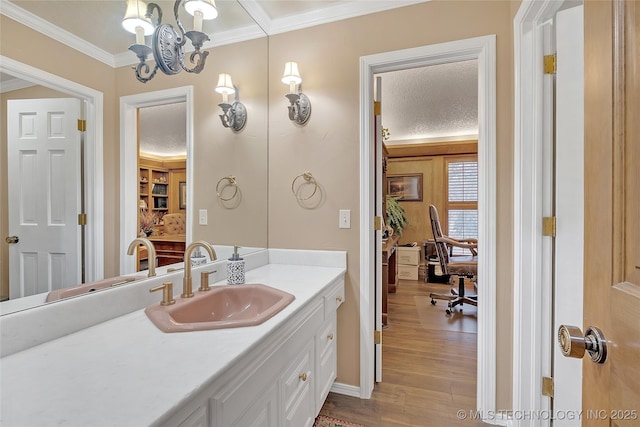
x,y
482,49
534,301
129,194
162,165
93,175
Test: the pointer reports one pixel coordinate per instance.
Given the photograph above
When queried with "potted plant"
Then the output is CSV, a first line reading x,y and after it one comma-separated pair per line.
x,y
147,222
396,216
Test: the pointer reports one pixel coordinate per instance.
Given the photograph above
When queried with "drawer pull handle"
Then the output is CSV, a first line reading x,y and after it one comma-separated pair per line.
x,y
303,376
330,336
339,298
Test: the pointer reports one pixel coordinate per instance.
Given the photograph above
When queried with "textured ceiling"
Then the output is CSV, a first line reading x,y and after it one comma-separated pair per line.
x,y
437,102
163,130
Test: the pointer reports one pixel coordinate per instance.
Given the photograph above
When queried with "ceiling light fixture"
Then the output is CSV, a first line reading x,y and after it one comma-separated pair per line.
x,y
234,115
167,44
300,106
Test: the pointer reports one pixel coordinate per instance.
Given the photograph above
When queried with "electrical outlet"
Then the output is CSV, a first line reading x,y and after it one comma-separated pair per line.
x,y
202,217
345,218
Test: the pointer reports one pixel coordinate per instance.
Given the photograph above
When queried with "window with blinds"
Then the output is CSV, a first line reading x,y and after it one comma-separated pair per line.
x,y
462,200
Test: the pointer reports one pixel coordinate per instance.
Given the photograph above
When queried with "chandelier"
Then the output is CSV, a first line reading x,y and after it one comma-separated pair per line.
x,y
167,43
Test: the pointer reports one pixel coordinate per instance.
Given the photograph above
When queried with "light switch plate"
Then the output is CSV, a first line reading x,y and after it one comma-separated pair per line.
x,y
345,218
202,217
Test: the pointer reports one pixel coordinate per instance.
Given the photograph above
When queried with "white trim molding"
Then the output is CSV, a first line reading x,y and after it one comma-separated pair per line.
x,y
94,190
532,278
129,163
484,50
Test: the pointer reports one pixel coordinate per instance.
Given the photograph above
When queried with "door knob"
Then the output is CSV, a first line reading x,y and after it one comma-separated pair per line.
x,y
574,344
12,239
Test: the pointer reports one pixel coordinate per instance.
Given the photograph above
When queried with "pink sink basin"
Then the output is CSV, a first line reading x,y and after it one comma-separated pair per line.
x,y
230,306
87,288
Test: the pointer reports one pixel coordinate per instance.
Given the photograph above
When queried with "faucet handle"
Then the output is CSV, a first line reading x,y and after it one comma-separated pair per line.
x,y
167,293
204,280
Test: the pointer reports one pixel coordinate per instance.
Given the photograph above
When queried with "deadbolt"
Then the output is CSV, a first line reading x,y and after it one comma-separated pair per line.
x,y
574,344
12,239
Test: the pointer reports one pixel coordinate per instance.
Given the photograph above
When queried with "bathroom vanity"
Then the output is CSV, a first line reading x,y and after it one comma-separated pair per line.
x,y
126,372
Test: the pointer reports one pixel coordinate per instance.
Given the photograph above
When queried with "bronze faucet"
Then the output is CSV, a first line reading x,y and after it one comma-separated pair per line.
x,y
187,290
150,249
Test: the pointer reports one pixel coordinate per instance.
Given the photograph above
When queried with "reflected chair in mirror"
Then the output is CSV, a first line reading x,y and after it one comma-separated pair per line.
x,y
462,267
175,223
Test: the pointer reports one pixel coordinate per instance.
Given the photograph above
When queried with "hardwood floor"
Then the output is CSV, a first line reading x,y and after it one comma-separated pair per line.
x,y
429,366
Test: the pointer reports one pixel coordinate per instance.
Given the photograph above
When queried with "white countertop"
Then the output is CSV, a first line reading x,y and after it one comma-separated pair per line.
x,y
126,372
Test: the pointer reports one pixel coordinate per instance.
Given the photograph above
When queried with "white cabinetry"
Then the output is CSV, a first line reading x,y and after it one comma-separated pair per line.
x,y
283,382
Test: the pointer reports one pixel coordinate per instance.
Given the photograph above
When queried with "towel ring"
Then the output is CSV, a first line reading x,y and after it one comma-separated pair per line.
x,y
231,180
309,179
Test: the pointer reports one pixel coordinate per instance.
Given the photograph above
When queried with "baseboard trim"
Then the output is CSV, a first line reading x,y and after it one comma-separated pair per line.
x,y
346,389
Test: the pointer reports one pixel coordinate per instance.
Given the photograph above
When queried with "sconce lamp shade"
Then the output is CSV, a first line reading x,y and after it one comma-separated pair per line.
x,y
135,17
225,85
206,7
291,74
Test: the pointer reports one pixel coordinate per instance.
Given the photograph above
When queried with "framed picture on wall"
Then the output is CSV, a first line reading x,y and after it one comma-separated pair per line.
x,y
182,195
408,187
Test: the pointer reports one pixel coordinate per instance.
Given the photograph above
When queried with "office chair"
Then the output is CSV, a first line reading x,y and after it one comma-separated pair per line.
x,y
460,266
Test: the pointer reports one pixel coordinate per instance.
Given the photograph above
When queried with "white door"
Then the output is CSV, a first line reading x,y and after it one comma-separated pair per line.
x,y
378,233
569,207
44,194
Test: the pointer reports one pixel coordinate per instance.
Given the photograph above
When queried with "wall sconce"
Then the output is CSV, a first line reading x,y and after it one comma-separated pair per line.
x,y
300,106
234,115
167,45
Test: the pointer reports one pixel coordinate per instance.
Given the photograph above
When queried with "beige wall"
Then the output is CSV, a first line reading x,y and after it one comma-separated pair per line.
x,y
218,151
328,146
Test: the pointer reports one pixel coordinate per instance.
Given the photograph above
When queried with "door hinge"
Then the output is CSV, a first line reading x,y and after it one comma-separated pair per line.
x,y
377,337
377,223
377,108
550,64
82,125
82,219
547,386
549,226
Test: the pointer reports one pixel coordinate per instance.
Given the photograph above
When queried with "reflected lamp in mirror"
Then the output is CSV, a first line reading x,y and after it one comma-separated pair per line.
x,y
167,43
233,115
299,104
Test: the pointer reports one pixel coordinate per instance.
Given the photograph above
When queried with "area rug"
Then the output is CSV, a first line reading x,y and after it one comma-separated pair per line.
x,y
324,421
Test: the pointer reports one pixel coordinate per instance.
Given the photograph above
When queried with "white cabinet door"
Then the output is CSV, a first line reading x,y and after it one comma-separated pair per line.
x,y
43,148
197,419
298,389
263,412
326,358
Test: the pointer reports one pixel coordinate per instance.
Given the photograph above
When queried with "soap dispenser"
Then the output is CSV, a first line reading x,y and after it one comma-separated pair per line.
x,y
235,268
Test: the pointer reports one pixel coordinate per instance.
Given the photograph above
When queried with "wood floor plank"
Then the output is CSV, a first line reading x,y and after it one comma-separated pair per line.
x,y
429,366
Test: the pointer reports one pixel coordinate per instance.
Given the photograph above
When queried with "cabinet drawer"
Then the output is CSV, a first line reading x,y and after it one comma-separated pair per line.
x,y
333,299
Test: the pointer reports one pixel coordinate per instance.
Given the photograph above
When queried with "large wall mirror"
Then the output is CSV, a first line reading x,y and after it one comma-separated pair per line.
x,y
239,48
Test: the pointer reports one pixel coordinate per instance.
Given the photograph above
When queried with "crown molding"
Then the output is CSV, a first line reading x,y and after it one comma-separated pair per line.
x,y
265,25
36,23
331,14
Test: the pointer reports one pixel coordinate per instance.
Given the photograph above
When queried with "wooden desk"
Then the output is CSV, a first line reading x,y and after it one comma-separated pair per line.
x,y
169,248
389,272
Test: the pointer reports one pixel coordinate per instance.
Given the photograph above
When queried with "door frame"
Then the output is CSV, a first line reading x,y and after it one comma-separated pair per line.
x,y
484,50
533,199
93,176
129,163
